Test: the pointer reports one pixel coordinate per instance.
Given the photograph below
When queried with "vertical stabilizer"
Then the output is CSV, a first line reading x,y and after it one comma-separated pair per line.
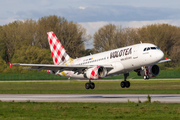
x,y
58,52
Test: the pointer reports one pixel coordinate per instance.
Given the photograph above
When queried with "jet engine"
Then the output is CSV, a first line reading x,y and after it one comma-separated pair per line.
x,y
151,71
96,73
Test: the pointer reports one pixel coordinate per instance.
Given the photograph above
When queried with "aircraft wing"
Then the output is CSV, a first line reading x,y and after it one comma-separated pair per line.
x,y
75,68
166,60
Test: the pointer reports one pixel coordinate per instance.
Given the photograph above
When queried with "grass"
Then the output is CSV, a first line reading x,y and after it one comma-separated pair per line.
x,y
163,74
46,76
80,111
102,87
89,111
29,76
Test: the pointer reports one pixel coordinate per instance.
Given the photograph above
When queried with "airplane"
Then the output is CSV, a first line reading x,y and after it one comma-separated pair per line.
x,y
141,58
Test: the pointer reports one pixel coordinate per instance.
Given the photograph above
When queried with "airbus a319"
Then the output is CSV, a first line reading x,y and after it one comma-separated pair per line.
x,y
141,58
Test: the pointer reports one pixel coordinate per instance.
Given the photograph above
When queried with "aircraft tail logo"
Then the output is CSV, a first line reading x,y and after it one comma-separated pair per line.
x,y
58,52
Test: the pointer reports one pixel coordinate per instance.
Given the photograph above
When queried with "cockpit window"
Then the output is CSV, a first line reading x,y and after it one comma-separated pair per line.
x,y
153,48
150,48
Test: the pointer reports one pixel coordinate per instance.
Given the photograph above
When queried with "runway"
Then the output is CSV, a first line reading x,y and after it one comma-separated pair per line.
x,y
163,98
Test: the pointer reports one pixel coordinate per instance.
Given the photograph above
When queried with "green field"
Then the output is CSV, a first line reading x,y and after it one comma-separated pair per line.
x,y
29,76
46,76
88,111
97,111
80,111
102,87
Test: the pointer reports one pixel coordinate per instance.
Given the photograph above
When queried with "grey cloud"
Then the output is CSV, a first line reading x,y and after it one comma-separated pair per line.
x,y
5,15
119,13
29,14
104,13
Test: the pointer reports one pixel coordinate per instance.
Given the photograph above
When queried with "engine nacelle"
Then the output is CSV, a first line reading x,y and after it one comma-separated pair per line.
x,y
96,73
151,71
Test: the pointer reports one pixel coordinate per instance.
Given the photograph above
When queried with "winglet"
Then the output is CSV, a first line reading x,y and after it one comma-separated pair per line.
x,y
166,59
10,64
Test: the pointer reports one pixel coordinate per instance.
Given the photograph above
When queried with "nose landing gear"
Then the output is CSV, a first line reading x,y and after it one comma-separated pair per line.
x,y
146,77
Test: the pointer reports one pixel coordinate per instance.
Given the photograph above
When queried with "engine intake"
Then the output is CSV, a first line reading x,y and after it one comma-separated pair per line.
x,y
151,71
155,70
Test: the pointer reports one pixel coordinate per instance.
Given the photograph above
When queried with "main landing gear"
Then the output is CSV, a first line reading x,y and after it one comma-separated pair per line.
x,y
90,85
125,83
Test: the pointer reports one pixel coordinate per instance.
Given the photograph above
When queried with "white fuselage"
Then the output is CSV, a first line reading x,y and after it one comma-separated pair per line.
x,y
123,59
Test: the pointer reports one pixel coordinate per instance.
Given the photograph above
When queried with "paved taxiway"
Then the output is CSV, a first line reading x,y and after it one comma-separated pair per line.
x,y
164,98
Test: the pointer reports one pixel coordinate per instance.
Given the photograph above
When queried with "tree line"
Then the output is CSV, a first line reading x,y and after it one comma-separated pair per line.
x,y
26,41
165,36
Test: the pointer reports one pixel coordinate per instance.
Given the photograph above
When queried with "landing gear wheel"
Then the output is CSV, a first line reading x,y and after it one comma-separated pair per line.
x,y
123,84
146,77
92,85
87,85
127,84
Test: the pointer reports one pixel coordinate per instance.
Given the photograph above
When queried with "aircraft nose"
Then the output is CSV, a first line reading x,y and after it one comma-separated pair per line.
x,y
160,55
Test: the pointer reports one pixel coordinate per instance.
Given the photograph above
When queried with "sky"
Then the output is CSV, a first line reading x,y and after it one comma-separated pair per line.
x,y
93,14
